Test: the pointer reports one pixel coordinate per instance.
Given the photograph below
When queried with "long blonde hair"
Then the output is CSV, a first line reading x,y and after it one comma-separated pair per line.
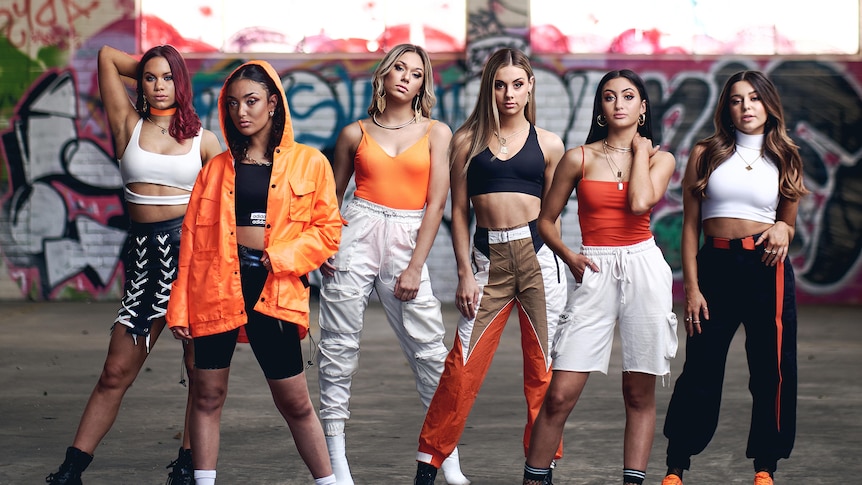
x,y
484,121
423,102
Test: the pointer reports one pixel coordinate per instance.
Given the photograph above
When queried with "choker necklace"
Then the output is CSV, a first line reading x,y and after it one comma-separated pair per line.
x,y
504,150
162,112
617,172
748,165
616,149
261,163
392,127
164,130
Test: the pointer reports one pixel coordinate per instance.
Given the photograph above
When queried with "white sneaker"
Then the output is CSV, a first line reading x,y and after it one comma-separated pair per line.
x,y
452,470
338,460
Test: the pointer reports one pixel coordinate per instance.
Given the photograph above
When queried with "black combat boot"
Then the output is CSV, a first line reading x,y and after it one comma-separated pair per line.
x,y
70,471
182,471
425,474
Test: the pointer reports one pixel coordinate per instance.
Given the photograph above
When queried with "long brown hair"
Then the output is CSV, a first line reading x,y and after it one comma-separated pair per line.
x,y
484,121
776,144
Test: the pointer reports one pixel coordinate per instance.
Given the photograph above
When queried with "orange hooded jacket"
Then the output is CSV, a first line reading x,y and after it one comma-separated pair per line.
x,y
303,229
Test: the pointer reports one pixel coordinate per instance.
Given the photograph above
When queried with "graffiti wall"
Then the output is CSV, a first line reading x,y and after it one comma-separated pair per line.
x,y
63,220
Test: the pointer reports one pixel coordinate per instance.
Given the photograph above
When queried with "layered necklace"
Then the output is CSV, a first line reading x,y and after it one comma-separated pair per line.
x,y
502,140
392,127
611,164
748,165
261,163
161,112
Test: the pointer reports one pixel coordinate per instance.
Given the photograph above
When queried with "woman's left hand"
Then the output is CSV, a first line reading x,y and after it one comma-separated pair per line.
x,y
407,284
264,260
776,243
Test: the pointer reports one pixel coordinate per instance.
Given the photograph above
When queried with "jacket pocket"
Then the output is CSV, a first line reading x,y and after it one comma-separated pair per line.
x,y
302,201
206,227
204,287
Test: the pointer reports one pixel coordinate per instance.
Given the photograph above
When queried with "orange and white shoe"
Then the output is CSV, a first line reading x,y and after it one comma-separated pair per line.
x,y
672,479
762,478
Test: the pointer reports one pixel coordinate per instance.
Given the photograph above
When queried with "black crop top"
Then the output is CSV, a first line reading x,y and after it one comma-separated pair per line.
x,y
252,187
524,172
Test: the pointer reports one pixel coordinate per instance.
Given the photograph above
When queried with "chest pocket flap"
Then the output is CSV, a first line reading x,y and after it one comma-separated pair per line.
x,y
302,199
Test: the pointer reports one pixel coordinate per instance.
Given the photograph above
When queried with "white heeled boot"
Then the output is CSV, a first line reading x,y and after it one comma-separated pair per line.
x,y
452,470
338,459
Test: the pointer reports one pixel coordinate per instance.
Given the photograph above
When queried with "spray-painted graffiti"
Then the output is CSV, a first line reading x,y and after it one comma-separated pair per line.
x,y
63,217
62,221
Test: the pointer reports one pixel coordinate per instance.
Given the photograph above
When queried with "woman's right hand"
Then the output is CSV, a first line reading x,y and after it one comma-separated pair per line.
x,y
181,333
695,309
327,268
467,296
579,266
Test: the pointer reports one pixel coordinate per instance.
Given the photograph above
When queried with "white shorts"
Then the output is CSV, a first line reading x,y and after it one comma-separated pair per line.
x,y
634,286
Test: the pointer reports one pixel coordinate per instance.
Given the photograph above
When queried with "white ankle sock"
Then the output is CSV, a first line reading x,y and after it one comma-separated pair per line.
x,y
338,459
205,477
330,480
452,470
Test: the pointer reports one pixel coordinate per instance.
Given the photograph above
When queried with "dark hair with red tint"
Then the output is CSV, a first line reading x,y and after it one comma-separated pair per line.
x,y
185,124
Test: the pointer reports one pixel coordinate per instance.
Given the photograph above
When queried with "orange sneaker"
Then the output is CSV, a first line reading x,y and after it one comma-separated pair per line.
x,y
672,480
762,478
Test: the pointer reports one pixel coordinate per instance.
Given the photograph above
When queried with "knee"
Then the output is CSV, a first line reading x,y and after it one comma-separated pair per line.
x,y
557,402
115,376
339,356
639,398
208,399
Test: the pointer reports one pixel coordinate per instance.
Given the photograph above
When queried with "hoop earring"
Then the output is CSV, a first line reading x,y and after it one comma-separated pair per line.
x,y
146,106
417,109
641,119
601,121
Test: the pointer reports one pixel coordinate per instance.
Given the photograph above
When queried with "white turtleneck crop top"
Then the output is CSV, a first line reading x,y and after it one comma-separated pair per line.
x,y
178,171
736,192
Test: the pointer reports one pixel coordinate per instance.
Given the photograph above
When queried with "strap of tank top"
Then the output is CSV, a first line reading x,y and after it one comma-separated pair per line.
x,y
583,163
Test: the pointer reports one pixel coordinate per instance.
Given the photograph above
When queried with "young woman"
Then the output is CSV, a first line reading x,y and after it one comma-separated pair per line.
x,y
399,159
261,216
623,275
502,165
161,148
741,189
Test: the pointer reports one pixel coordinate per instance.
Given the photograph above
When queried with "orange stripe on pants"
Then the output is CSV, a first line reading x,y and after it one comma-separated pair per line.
x,y
460,383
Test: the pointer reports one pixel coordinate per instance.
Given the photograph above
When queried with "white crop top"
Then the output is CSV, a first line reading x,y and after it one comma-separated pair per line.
x,y
178,171
734,191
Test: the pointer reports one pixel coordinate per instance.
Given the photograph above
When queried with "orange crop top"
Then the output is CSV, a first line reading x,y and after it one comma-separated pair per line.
x,y
399,182
605,216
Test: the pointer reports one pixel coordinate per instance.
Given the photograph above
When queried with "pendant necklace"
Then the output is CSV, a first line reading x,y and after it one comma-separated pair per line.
x,y
613,166
504,150
748,165
392,127
164,130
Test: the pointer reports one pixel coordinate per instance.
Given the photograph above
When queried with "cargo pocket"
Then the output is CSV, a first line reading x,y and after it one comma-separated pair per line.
x,y
423,320
342,308
672,339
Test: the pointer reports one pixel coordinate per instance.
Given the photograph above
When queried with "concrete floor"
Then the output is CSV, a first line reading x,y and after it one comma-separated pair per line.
x,y
51,355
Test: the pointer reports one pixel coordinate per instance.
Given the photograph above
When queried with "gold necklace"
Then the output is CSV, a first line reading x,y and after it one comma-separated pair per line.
x,y
616,149
504,150
748,165
262,163
164,130
392,127
613,166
